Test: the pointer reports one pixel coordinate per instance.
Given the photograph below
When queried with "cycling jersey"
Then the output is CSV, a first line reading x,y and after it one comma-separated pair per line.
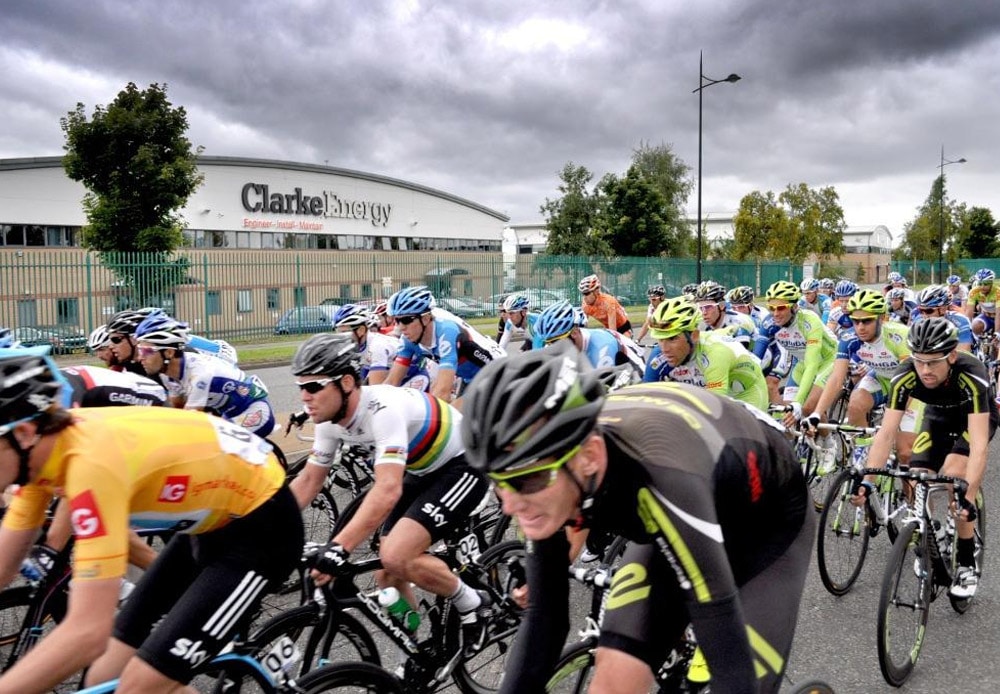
x,y
959,295
455,345
821,307
526,331
806,339
92,386
714,502
400,426
964,325
985,300
149,467
377,352
603,308
739,325
882,355
903,313
719,364
213,348
211,384
839,320
608,348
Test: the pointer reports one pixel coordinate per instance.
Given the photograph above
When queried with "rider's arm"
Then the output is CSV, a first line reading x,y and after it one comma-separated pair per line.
x,y
881,446
378,503
815,333
444,384
308,482
504,338
979,440
833,384
970,306
611,305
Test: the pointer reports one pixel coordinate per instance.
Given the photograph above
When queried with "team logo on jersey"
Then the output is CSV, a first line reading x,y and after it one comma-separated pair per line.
x,y
174,489
86,517
253,420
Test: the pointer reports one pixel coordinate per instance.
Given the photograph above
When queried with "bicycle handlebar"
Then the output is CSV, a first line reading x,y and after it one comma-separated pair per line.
x,y
599,577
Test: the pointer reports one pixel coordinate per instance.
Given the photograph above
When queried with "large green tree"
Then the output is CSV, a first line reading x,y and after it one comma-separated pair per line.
x,y
981,240
139,169
569,219
938,220
669,175
632,217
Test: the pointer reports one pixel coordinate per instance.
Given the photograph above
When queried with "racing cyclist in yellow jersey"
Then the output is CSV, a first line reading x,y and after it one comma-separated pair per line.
x,y
711,360
805,337
983,298
220,487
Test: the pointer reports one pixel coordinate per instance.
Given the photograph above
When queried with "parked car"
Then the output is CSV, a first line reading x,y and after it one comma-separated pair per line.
x,y
64,339
306,319
463,308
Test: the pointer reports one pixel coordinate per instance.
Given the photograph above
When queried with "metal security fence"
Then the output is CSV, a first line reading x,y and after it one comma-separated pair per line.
x,y
926,271
246,296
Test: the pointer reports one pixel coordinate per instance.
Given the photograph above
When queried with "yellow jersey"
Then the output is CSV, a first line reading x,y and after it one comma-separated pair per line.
x,y
986,299
149,468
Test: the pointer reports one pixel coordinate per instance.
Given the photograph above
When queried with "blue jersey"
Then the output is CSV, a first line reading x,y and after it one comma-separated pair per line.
x,y
455,345
964,325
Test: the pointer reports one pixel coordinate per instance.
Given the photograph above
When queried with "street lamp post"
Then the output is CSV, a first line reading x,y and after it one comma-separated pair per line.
x,y
703,83
944,163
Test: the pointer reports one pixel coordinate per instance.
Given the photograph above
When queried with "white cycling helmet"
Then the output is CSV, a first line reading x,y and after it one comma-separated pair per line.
x,y
100,337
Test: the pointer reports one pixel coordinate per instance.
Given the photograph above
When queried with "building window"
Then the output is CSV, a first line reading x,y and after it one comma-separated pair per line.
x,y
213,303
273,299
467,287
366,291
299,296
68,311
244,300
27,312
345,292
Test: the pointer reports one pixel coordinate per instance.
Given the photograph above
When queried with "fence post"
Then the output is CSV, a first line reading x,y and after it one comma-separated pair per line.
x,y
204,274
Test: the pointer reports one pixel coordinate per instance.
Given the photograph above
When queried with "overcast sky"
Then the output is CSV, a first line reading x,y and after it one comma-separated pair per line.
x,y
488,100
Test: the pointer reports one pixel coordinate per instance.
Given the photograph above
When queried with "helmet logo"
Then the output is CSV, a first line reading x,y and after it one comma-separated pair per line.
x,y
39,401
567,377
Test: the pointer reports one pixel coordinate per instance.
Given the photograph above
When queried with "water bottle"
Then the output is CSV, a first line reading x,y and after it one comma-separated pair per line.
x,y
861,446
397,606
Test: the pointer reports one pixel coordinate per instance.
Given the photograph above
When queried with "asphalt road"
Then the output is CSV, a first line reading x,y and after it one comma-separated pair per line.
x,y
835,638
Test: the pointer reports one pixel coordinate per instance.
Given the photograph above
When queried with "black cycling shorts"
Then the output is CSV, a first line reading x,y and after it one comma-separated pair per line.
x,y
206,587
441,499
940,437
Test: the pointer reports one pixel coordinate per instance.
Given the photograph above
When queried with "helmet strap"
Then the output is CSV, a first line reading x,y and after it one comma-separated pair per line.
x,y
23,455
344,402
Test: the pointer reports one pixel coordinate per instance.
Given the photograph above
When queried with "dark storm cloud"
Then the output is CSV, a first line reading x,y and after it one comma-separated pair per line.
x,y
489,100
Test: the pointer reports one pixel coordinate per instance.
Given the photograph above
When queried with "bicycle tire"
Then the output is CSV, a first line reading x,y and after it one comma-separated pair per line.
x,y
903,588
502,566
837,412
574,670
961,605
842,543
231,673
349,678
817,482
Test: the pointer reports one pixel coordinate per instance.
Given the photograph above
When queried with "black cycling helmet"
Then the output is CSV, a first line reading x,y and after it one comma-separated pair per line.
x,y
125,322
932,336
328,354
28,386
530,406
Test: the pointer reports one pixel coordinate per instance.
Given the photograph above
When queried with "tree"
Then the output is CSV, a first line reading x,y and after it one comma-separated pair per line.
x,y
758,225
671,177
632,217
569,219
139,170
981,241
815,223
938,219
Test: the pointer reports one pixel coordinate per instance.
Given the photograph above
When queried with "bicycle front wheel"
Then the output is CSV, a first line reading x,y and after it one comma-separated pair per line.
x,y
904,605
574,670
842,543
349,678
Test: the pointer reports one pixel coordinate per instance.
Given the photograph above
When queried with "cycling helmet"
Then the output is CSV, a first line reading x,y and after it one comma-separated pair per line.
x,y
985,275
710,291
932,336
29,385
162,331
100,337
741,295
125,322
826,283
783,290
515,302
868,301
673,317
350,316
845,289
590,283
895,277
934,296
412,301
809,285
657,290
328,354
7,339
556,321
381,309
690,288
528,407
954,279
579,317
896,293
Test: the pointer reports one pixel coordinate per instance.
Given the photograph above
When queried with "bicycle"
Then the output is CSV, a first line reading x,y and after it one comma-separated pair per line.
x,y
921,564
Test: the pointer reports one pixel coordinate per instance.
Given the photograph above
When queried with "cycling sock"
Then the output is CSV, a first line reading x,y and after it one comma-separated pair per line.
x,y
465,599
966,551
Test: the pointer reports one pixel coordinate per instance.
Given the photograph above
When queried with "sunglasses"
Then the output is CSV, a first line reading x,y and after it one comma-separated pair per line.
x,y
862,321
778,307
313,387
144,351
928,311
534,480
118,339
929,362
406,320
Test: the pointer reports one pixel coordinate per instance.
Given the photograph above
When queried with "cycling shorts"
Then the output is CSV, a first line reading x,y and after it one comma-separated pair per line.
x,y
202,589
938,438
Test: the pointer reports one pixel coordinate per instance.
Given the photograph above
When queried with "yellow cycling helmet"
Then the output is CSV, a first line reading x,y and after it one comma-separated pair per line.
x,y
868,301
782,290
674,316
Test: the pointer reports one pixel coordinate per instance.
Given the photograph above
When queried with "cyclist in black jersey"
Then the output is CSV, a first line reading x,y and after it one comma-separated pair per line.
x,y
708,491
959,421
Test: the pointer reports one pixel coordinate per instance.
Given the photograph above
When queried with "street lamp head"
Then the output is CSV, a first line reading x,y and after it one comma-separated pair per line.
x,y
961,161
732,78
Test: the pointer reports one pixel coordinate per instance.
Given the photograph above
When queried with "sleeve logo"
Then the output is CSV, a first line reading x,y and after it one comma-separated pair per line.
x,y
85,516
174,489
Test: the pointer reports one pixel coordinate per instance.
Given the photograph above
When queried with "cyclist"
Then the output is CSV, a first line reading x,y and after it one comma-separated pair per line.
x,y
897,281
775,362
603,307
433,333
602,347
935,300
983,298
707,490
377,350
99,344
422,482
900,308
826,287
839,321
197,381
708,360
519,321
386,323
656,295
813,300
958,423
121,331
711,301
806,339
147,467
957,292
741,299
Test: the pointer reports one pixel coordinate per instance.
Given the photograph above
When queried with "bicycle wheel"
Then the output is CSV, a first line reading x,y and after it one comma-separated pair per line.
x,y
843,537
838,410
574,670
960,605
231,673
818,482
904,605
502,569
349,678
